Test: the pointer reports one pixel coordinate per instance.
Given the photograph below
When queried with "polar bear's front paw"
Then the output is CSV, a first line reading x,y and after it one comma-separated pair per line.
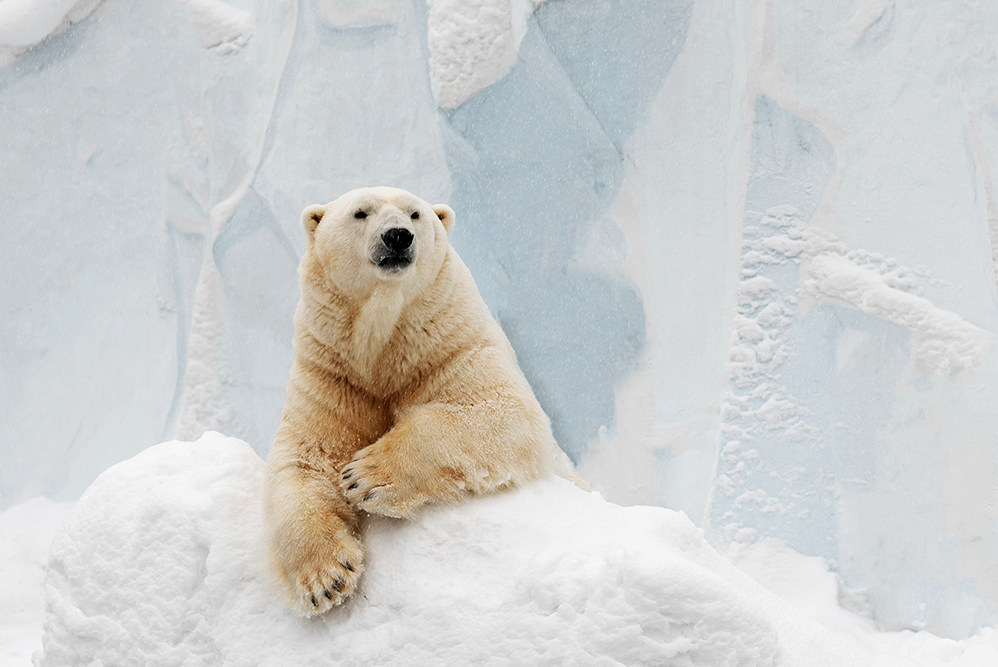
x,y
369,484
327,575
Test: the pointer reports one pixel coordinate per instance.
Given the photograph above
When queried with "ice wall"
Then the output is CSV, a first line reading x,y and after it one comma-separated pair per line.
x,y
744,249
857,424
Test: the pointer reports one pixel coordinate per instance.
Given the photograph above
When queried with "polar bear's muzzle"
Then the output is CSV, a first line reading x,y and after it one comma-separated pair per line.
x,y
394,250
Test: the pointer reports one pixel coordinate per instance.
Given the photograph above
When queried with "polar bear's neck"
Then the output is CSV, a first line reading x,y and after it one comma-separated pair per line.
x,y
375,323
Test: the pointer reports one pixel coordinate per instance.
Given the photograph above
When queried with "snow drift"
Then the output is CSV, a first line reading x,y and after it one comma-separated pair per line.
x,y
158,563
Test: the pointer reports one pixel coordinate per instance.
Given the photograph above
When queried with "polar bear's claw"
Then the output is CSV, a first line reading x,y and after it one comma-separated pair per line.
x,y
324,573
364,479
325,593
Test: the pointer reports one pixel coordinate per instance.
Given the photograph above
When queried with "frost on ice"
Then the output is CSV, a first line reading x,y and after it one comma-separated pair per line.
x,y
160,559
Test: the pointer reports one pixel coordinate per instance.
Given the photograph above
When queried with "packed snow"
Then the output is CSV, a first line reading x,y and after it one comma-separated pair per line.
x,y
26,532
158,563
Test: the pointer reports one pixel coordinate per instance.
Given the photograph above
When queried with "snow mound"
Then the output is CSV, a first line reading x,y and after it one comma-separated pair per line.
x,y
158,563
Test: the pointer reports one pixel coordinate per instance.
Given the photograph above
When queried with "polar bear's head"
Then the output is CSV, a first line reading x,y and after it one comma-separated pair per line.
x,y
375,237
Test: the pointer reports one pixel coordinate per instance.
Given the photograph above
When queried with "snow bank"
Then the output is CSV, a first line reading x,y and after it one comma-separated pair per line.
x,y
26,533
159,563
807,584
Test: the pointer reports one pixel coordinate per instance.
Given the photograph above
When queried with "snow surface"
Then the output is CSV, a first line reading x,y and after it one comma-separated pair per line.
x,y
160,559
806,583
158,564
26,533
616,157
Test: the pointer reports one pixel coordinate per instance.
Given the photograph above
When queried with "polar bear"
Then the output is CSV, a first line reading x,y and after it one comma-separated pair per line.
x,y
404,391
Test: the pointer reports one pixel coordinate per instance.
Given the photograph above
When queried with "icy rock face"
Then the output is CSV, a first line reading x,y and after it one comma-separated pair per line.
x,y
159,563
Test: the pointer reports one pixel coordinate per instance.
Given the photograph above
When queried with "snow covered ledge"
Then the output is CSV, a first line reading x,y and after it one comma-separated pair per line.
x,y
159,564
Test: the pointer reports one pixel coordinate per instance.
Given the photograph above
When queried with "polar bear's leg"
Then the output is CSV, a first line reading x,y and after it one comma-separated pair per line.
x,y
440,452
312,539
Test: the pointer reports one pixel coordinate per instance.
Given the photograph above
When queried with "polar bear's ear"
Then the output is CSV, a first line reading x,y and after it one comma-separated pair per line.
x,y
311,217
446,215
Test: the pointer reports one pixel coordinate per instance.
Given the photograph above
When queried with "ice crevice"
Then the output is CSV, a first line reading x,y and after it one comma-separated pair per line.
x,y
867,15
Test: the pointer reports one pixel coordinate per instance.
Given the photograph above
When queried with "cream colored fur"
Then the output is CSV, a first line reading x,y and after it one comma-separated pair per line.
x,y
404,391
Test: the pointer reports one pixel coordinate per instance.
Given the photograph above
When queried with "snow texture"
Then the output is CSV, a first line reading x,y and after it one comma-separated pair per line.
x,y
744,249
26,533
471,47
473,44
805,583
159,563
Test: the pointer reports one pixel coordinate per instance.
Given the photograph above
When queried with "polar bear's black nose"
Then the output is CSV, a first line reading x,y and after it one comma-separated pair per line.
x,y
397,239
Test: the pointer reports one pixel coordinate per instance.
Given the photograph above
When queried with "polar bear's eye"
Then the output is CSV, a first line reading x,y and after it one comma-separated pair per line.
x,y
415,216
360,215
